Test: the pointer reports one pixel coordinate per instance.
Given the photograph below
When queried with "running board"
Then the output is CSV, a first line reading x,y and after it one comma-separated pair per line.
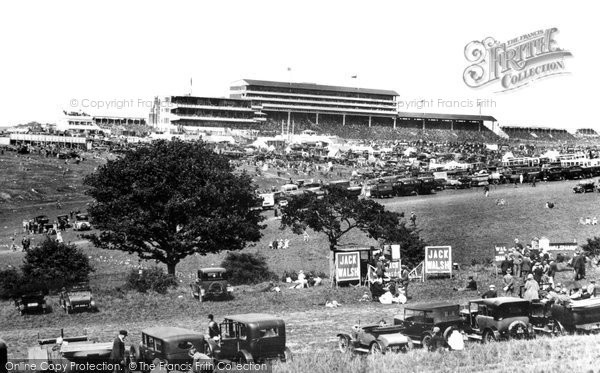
x,y
474,336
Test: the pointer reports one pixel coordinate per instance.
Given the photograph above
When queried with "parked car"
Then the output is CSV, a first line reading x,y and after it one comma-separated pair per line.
x,y
418,321
166,345
32,302
211,284
250,338
494,319
82,222
584,186
559,319
381,190
78,297
374,339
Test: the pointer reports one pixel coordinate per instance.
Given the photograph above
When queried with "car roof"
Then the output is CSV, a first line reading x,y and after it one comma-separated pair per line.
x,y
252,317
430,306
213,269
499,301
168,333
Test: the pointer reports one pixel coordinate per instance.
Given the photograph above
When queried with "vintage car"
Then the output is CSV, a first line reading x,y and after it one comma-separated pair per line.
x,y
381,190
82,223
549,317
166,345
584,186
211,284
374,339
461,183
418,321
494,319
32,302
63,220
406,187
78,297
250,338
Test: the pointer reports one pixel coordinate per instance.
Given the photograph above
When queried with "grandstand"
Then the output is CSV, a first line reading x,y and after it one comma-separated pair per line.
x,y
537,133
191,113
586,132
316,104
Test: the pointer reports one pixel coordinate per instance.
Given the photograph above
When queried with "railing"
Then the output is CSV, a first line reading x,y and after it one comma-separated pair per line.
x,y
418,272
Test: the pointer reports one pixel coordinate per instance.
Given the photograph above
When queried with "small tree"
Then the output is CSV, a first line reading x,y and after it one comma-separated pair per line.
x,y
243,268
153,278
52,265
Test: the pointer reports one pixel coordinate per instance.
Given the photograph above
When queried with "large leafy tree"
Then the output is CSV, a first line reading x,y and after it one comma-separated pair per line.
x,y
171,199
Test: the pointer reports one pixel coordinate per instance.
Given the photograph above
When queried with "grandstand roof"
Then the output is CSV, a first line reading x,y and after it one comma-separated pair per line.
x,y
268,83
531,128
447,116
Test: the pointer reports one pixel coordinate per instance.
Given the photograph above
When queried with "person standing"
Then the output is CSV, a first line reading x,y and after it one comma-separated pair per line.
x,y
413,218
579,266
509,283
517,259
213,328
117,355
532,288
404,279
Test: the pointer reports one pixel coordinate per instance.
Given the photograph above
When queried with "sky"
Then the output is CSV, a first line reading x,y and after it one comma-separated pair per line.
x,y
113,57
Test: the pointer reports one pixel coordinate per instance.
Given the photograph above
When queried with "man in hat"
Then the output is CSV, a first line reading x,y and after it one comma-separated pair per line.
x,y
117,355
491,293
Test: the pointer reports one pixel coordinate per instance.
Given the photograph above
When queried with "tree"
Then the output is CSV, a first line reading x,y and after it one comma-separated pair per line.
x,y
244,268
171,199
390,230
335,215
52,265
592,246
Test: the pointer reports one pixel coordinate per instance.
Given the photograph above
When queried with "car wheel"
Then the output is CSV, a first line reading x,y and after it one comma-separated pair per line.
x,y
557,329
488,337
426,341
518,330
344,344
242,359
376,349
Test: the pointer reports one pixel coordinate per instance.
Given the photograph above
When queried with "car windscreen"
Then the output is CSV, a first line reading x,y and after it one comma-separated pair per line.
x,y
212,276
414,315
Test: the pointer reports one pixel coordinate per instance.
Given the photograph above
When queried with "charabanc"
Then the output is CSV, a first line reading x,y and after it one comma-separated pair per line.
x,y
575,316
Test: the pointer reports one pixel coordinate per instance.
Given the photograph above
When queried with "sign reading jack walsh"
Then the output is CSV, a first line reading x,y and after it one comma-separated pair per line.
x,y
438,259
516,62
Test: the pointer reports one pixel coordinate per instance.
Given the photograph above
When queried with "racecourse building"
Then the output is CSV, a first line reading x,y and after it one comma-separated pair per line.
x,y
194,113
316,103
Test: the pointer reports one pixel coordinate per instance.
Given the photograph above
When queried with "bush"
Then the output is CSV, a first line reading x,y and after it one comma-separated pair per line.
x,y
153,278
52,265
10,281
247,269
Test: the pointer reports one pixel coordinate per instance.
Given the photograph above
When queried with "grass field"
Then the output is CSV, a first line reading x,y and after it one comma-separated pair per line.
x,y
464,219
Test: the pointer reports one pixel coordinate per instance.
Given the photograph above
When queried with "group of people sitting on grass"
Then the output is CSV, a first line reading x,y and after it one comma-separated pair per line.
x,y
385,289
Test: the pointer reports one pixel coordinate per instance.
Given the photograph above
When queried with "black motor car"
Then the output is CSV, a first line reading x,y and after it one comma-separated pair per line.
x,y
32,302
418,321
